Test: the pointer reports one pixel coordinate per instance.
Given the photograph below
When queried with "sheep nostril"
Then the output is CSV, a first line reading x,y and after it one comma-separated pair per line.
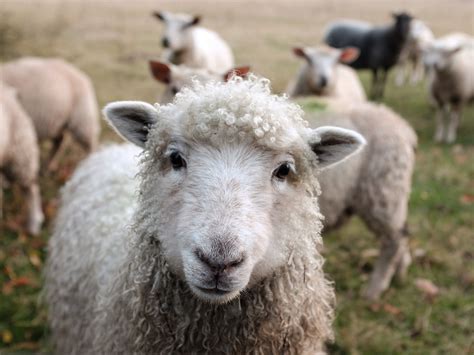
x,y
218,266
165,42
324,81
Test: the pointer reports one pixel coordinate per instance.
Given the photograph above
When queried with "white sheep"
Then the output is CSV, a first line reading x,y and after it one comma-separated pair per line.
x,y
19,154
217,251
450,60
323,75
375,185
59,98
419,38
176,77
187,43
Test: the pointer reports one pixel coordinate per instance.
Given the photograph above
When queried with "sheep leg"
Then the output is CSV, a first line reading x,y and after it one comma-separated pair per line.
x,y
1,197
453,123
383,81
418,69
440,118
373,93
55,153
386,266
401,74
35,213
405,261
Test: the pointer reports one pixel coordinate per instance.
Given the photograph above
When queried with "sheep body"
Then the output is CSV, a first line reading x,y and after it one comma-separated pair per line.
x,y
141,298
419,38
57,97
193,45
19,154
451,86
322,75
374,185
379,47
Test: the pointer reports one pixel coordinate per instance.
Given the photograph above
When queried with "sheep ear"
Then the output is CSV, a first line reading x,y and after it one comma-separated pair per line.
x,y
300,52
159,15
349,54
131,120
333,144
194,21
449,52
160,71
238,71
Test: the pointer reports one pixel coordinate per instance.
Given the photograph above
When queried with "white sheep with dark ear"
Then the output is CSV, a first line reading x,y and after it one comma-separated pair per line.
x,y
324,74
185,42
224,226
450,61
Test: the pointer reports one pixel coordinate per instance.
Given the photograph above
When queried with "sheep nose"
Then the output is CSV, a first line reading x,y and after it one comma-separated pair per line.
x,y
165,42
324,81
219,266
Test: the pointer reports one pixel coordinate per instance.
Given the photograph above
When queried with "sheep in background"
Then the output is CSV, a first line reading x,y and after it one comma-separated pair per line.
x,y
176,77
419,37
323,75
19,155
379,47
192,45
450,60
59,98
222,255
375,185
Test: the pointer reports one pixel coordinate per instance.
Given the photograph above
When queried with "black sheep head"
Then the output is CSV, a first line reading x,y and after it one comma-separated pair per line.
x,y
402,23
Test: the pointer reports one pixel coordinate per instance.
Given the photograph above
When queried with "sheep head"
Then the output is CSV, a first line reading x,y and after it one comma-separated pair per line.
x,y
229,181
321,64
176,77
177,26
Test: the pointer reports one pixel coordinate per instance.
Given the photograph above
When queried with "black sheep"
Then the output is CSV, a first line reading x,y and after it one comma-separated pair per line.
x,y
379,47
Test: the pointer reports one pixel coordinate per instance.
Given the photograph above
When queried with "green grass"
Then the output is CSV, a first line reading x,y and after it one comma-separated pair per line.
x,y
112,41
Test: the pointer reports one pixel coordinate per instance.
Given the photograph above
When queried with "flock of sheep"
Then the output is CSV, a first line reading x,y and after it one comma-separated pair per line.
x,y
203,233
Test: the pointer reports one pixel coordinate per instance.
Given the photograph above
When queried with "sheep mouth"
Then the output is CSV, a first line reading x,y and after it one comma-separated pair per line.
x,y
213,291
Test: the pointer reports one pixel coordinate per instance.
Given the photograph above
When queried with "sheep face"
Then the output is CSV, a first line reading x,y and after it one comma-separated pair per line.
x,y
438,57
223,204
321,65
402,23
176,77
177,26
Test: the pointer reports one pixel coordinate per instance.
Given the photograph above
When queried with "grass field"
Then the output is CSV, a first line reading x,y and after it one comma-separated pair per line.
x,y
112,40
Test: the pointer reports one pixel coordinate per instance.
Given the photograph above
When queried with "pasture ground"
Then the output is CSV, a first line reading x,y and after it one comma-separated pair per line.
x,y
112,40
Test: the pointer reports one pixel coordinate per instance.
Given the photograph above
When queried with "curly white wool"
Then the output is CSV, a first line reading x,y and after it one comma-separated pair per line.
x,y
240,113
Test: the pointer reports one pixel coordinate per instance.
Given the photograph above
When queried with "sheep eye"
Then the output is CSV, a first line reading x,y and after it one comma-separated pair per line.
x,y
177,161
174,90
282,171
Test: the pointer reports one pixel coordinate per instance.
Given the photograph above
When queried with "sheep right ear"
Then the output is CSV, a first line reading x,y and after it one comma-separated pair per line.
x,y
159,15
131,120
160,71
349,54
300,52
332,145
238,71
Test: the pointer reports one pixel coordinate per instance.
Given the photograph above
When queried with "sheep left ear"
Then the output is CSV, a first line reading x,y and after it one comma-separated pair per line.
x,y
160,71
349,54
131,120
333,145
196,19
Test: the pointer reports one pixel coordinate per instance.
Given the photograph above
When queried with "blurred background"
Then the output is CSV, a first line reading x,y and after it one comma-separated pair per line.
x,y
112,41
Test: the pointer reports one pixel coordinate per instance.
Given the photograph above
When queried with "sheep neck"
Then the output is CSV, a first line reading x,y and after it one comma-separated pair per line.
x,y
285,312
